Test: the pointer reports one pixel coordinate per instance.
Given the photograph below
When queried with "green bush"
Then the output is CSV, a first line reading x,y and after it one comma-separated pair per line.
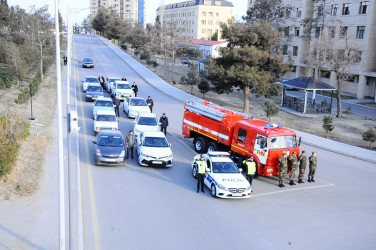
x,y
145,55
23,96
124,47
5,82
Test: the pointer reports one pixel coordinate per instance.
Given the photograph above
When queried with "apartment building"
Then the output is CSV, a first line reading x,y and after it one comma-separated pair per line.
x,y
131,10
353,21
197,19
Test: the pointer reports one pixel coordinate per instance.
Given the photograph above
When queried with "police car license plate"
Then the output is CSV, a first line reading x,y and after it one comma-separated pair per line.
x,y
237,195
157,162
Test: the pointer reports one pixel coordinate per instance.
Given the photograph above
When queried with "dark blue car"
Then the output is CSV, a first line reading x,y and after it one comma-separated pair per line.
x,y
93,92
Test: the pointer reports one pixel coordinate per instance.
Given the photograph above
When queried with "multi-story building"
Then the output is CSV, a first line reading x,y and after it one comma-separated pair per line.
x,y
196,19
342,21
131,10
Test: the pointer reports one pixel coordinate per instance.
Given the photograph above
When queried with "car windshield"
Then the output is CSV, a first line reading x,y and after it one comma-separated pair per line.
x,y
111,141
155,142
113,79
138,102
123,86
91,79
104,104
225,167
151,121
106,118
286,141
88,60
95,88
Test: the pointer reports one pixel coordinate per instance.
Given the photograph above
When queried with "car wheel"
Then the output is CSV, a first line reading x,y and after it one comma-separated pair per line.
x,y
200,145
213,191
194,171
86,99
212,146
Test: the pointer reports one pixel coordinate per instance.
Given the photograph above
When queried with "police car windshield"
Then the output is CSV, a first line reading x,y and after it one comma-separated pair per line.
x,y
225,168
106,118
150,121
286,141
123,86
159,142
111,141
104,104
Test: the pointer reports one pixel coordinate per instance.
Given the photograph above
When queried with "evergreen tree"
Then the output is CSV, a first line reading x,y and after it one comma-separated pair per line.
x,y
328,124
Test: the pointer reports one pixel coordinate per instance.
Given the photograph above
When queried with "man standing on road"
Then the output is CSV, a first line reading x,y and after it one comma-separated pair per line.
x,y
135,88
201,172
282,169
163,120
150,103
302,166
251,169
101,80
117,106
130,141
294,165
123,78
312,166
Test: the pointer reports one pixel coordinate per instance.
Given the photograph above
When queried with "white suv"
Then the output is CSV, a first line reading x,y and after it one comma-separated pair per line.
x,y
105,119
121,89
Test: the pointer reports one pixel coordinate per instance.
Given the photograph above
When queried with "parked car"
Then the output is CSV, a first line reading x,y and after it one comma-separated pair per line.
x,y
145,122
109,148
102,103
105,119
110,82
121,89
134,105
154,150
87,63
93,92
186,61
89,80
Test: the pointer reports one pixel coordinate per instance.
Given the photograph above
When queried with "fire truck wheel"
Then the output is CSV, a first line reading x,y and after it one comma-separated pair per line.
x,y
213,191
212,146
194,171
200,145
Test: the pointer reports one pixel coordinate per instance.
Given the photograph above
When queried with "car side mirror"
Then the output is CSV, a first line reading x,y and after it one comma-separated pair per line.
x,y
94,142
240,170
82,81
169,145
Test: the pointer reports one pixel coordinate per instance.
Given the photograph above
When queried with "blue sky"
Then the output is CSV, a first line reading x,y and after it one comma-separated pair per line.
x,y
240,7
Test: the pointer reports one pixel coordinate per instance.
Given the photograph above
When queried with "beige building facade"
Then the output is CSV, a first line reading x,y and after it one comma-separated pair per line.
x,y
131,10
196,19
351,21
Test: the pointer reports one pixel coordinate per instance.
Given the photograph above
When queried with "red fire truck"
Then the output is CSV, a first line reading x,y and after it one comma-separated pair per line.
x,y
216,128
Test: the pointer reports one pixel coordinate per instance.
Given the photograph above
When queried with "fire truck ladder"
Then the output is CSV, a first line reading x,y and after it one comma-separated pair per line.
x,y
213,111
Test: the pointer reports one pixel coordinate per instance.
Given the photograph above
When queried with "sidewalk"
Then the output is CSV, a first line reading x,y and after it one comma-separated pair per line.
x,y
316,141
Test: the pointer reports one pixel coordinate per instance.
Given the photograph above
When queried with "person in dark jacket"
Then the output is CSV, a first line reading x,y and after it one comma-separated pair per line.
x,y
101,80
164,123
150,103
65,58
117,106
130,141
124,78
135,88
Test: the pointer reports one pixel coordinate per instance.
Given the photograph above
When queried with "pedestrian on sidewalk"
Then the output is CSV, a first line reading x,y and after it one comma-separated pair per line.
x,y
130,141
117,106
163,120
294,165
312,166
150,103
282,169
302,166
65,59
135,88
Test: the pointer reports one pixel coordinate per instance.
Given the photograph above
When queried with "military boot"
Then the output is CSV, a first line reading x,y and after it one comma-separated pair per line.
x,y
312,179
299,181
291,183
309,179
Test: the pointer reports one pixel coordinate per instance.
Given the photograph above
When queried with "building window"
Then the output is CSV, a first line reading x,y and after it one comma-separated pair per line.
x,y
363,7
360,32
358,56
209,31
217,22
203,13
242,134
217,14
332,31
210,22
288,12
295,50
297,31
203,22
346,9
284,49
287,31
318,32
343,31
210,13
298,12
320,10
203,31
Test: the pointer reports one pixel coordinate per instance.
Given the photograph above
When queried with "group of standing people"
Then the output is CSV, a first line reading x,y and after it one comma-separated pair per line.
x,y
294,160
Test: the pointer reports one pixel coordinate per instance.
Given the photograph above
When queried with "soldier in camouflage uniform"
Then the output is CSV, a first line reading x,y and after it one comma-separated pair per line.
x,y
302,166
312,167
282,169
294,165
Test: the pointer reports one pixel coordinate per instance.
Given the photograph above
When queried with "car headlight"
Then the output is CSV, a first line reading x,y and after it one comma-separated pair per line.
x,y
99,152
88,95
169,156
144,155
222,187
249,187
122,154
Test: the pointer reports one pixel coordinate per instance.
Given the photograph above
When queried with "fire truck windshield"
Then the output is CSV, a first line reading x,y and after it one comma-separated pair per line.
x,y
286,141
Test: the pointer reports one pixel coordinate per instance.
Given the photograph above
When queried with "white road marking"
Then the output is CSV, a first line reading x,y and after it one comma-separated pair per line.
x,y
291,190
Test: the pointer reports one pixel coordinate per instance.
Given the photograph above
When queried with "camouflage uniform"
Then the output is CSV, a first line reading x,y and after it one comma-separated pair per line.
x,y
282,170
302,167
294,165
312,167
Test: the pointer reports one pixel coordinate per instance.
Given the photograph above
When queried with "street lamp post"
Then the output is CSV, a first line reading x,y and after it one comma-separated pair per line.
x,y
31,101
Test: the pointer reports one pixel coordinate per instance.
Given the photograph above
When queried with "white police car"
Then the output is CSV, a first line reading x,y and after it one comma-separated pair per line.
x,y
223,178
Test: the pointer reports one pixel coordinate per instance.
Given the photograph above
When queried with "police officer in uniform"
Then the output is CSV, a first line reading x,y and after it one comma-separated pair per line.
x,y
201,172
294,165
251,169
312,167
282,169
302,166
